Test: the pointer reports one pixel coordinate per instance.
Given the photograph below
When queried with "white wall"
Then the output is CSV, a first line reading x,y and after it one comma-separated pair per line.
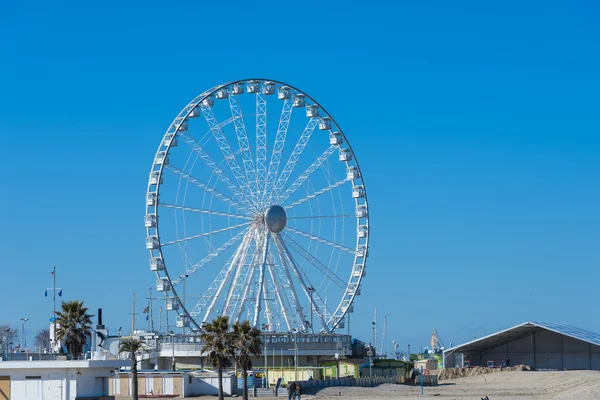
x,y
207,385
55,383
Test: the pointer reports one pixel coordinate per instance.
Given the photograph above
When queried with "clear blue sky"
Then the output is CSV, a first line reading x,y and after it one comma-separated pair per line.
x,y
476,126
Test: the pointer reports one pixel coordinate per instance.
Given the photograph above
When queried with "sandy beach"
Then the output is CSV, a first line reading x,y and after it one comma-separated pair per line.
x,y
506,385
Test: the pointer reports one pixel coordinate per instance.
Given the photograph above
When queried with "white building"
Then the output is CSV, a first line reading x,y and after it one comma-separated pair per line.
x,y
56,380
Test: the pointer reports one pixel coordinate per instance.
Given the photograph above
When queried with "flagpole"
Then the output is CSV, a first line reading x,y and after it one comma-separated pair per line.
x,y
54,313
133,315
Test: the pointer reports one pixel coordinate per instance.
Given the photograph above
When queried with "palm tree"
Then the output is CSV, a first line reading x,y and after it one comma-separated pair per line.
x,y
133,347
74,326
219,345
247,341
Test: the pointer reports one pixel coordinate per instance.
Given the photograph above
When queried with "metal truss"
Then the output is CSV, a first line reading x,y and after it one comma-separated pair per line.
x,y
282,129
261,144
293,160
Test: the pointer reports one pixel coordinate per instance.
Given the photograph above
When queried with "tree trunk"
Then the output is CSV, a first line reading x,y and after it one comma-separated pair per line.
x,y
245,378
135,377
220,372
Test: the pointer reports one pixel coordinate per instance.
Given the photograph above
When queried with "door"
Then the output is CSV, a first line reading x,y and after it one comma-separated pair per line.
x,y
168,385
4,387
53,387
33,388
150,385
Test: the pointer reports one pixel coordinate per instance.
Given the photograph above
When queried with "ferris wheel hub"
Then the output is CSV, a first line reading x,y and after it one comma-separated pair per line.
x,y
275,218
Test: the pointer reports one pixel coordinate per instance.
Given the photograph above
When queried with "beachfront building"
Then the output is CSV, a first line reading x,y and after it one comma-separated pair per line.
x,y
59,379
542,345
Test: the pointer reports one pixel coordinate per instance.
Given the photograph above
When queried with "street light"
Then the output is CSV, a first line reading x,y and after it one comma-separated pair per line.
x,y
120,342
7,330
173,347
264,326
311,290
23,331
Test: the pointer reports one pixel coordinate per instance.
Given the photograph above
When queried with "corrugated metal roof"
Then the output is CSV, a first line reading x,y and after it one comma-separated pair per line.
x,y
522,330
572,331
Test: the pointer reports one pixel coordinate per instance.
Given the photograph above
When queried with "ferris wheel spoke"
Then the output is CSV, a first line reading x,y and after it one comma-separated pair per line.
x,y
317,264
264,248
317,303
206,234
210,163
278,290
241,301
203,211
234,288
294,157
261,143
324,216
206,188
282,129
288,278
318,193
216,287
242,138
192,270
228,154
321,240
306,174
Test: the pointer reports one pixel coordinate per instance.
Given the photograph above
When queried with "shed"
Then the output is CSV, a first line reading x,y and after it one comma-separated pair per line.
x,y
427,363
542,345
56,379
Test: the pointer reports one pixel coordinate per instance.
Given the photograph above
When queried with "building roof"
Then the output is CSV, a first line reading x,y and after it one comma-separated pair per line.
x,y
62,364
522,330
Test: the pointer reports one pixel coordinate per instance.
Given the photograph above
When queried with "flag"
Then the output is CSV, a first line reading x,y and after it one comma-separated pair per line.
x,y
60,293
46,293
146,318
52,273
145,310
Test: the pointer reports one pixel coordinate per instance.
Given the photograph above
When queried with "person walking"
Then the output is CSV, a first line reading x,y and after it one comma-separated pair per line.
x,y
298,390
291,389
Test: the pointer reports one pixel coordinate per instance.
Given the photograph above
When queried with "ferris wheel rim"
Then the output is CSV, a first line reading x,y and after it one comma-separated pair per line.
x,y
190,107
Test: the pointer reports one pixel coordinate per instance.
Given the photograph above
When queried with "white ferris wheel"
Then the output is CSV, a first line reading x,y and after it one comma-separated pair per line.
x,y
257,204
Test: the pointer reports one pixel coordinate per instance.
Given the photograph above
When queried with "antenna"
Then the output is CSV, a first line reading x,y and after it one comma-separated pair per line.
x,y
133,314
383,337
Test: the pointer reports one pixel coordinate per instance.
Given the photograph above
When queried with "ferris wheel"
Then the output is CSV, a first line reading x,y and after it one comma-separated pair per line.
x,y
256,209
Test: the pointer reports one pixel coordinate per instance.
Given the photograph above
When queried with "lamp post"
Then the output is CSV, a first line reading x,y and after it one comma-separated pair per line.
x,y
409,352
370,354
7,330
120,342
311,290
173,348
23,331
295,354
266,362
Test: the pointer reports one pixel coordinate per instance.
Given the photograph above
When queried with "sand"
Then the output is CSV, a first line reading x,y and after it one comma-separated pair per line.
x,y
506,385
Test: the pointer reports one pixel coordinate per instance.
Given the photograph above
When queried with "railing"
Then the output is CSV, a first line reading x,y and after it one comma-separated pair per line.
x,y
184,347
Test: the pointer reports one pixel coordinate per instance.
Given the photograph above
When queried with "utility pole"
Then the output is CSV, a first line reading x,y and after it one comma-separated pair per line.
x,y
166,316
23,331
383,338
160,321
54,289
133,314
375,330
